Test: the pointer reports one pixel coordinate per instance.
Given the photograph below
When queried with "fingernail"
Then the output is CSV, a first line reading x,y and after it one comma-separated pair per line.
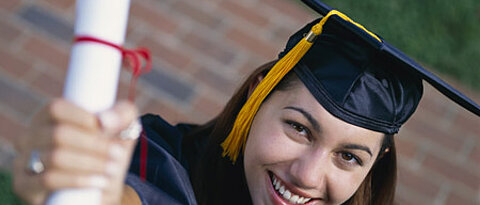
x,y
112,169
108,119
116,151
133,131
98,181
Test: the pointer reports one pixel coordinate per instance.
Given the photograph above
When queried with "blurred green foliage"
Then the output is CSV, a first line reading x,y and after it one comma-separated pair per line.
x,y
6,193
441,34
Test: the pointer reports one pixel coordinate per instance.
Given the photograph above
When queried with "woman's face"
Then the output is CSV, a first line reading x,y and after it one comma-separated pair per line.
x,y
298,153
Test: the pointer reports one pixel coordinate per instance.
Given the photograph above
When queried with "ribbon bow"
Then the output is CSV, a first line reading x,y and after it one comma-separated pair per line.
x,y
133,56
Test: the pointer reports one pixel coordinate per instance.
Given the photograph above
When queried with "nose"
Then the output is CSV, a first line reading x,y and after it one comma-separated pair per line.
x,y
310,171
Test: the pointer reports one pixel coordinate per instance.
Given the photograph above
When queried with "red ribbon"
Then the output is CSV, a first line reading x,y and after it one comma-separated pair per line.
x,y
133,56
143,156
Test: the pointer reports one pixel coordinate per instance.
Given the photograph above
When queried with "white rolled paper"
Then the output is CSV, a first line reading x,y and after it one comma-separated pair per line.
x,y
93,72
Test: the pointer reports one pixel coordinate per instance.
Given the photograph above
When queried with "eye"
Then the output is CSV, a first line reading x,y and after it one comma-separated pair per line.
x,y
351,158
299,129
347,156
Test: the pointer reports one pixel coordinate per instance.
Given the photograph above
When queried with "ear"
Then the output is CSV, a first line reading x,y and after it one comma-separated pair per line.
x,y
254,84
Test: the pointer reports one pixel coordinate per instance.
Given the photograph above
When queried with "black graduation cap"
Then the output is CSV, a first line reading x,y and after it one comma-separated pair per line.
x,y
353,73
347,66
388,49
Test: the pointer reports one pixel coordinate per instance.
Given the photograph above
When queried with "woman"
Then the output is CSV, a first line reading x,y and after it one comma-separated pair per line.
x,y
314,127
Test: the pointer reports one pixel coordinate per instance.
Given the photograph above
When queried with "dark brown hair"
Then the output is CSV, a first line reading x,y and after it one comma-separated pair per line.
x,y
217,181
378,187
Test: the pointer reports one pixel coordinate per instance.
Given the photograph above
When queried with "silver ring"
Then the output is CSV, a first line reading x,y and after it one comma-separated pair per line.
x,y
35,165
132,132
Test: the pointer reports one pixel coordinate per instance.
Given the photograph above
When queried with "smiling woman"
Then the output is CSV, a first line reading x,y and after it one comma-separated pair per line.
x,y
296,153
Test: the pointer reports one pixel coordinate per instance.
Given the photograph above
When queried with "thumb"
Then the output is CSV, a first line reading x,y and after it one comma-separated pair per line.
x,y
121,118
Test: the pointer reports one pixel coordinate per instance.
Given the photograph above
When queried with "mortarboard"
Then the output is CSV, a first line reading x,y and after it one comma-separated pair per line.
x,y
353,73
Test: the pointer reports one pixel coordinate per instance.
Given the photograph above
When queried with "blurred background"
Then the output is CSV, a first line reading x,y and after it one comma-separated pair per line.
x,y
203,49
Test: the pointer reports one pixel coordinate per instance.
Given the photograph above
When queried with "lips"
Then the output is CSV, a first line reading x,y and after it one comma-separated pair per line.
x,y
286,194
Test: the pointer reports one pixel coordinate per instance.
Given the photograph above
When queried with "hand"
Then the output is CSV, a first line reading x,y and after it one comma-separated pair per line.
x,y
78,150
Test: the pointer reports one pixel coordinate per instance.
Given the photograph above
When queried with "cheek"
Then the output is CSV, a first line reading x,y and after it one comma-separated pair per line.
x,y
267,148
269,145
344,185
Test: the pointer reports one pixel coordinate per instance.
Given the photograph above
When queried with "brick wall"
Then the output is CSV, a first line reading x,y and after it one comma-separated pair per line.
x,y
202,50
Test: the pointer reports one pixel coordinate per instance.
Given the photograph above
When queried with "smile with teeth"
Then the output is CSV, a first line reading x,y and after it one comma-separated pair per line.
x,y
287,194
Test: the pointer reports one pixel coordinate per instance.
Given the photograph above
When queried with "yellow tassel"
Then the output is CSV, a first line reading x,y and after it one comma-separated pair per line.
x,y
346,18
238,136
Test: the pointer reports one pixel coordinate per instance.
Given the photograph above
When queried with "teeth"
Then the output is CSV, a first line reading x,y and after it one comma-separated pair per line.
x,y
277,186
286,194
294,199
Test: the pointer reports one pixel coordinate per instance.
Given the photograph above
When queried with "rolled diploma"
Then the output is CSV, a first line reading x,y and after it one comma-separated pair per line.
x,y
93,72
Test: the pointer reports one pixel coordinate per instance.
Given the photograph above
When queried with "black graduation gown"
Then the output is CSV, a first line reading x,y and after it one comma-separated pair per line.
x,y
165,168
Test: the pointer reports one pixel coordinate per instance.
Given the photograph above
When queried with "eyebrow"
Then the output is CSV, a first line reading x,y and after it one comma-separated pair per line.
x,y
357,146
313,121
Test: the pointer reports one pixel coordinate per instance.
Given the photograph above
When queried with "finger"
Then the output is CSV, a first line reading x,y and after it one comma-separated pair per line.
x,y
83,163
54,180
26,185
70,137
67,137
64,111
118,118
